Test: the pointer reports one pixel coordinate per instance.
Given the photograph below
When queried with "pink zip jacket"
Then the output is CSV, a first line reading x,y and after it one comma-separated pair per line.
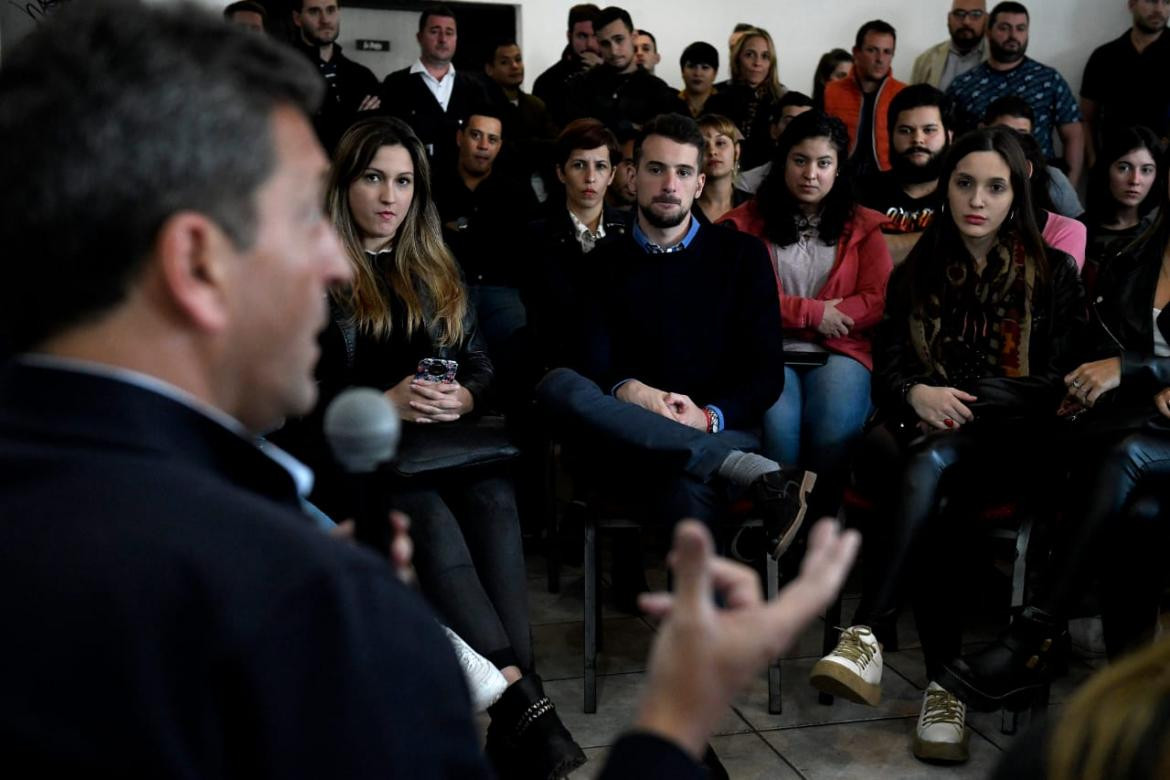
x,y
858,278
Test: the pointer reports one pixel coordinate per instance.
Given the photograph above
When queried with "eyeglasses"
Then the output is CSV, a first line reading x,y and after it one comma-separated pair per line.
x,y
961,15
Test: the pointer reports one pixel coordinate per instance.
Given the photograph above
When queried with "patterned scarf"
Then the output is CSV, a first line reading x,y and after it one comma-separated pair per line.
x,y
979,325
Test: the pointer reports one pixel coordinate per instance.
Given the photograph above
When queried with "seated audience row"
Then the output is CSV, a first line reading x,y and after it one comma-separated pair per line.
x,y
995,331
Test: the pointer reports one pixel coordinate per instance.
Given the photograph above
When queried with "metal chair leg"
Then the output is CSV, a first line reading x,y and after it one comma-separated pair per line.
x,y
771,584
592,598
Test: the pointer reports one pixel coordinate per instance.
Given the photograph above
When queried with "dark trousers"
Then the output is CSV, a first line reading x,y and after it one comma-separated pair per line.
x,y
670,465
1121,533
910,545
470,563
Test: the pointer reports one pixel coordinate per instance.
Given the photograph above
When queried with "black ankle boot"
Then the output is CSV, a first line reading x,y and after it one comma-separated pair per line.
x,y
782,498
526,740
1012,670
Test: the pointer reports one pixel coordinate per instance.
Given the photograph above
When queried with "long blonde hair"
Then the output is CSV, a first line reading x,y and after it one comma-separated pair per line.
x,y
1118,724
424,275
772,80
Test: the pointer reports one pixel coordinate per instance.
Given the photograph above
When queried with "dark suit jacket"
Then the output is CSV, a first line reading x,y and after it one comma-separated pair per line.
x,y
168,611
406,96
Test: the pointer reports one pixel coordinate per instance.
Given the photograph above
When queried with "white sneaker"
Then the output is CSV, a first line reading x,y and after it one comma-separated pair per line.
x,y
853,670
484,680
941,734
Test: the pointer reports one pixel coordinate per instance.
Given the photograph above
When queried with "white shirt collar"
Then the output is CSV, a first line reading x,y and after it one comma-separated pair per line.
x,y
586,237
418,67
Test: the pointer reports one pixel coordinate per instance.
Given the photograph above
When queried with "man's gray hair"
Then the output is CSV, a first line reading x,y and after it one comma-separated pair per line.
x,y
115,115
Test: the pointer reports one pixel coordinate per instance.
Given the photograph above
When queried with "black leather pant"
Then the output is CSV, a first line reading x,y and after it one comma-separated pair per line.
x,y
1122,534
909,544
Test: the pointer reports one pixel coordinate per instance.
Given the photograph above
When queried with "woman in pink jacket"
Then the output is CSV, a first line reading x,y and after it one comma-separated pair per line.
x,y
832,265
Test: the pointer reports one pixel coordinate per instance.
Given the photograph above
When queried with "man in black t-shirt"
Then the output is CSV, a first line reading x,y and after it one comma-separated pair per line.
x,y
908,194
1125,80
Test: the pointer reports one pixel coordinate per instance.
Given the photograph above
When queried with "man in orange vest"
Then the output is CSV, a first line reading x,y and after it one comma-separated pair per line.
x,y
862,100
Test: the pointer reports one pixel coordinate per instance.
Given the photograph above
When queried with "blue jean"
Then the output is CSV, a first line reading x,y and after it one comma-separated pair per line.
x,y
501,313
672,466
817,420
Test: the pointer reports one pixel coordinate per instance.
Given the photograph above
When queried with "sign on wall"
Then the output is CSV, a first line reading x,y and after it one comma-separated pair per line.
x,y
20,17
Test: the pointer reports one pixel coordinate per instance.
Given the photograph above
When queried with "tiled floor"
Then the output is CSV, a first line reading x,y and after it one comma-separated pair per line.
x,y
809,740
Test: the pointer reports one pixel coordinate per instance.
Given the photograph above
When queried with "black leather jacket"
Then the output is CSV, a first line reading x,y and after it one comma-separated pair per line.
x,y
1058,319
351,357
1122,319
557,278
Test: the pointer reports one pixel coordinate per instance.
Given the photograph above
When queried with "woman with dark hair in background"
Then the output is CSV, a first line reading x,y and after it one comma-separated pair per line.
x,y
834,64
559,269
1119,204
700,65
748,96
408,304
832,265
969,361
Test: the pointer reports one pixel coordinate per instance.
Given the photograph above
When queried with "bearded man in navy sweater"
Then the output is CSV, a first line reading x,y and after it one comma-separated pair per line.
x,y
678,355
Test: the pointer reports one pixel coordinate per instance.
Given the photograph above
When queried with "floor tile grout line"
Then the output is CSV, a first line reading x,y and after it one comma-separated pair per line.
x,y
986,738
779,755
883,719
912,684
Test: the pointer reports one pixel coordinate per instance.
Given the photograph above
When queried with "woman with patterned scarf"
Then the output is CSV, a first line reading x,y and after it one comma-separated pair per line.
x,y
1116,531
968,367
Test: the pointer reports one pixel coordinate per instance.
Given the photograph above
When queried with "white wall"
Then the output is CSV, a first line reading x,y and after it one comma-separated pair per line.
x,y
398,27
1064,32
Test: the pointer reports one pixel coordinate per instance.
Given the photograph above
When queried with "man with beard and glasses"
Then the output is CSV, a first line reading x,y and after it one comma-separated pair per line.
x,y
908,194
1125,80
966,48
350,88
1009,72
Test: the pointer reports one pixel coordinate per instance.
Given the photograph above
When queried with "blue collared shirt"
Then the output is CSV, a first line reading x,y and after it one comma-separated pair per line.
x,y
655,249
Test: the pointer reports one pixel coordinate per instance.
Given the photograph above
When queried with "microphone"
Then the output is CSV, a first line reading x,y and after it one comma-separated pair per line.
x,y
363,429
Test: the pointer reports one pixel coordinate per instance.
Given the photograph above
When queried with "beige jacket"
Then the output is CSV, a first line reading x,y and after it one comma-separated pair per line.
x,y
929,66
